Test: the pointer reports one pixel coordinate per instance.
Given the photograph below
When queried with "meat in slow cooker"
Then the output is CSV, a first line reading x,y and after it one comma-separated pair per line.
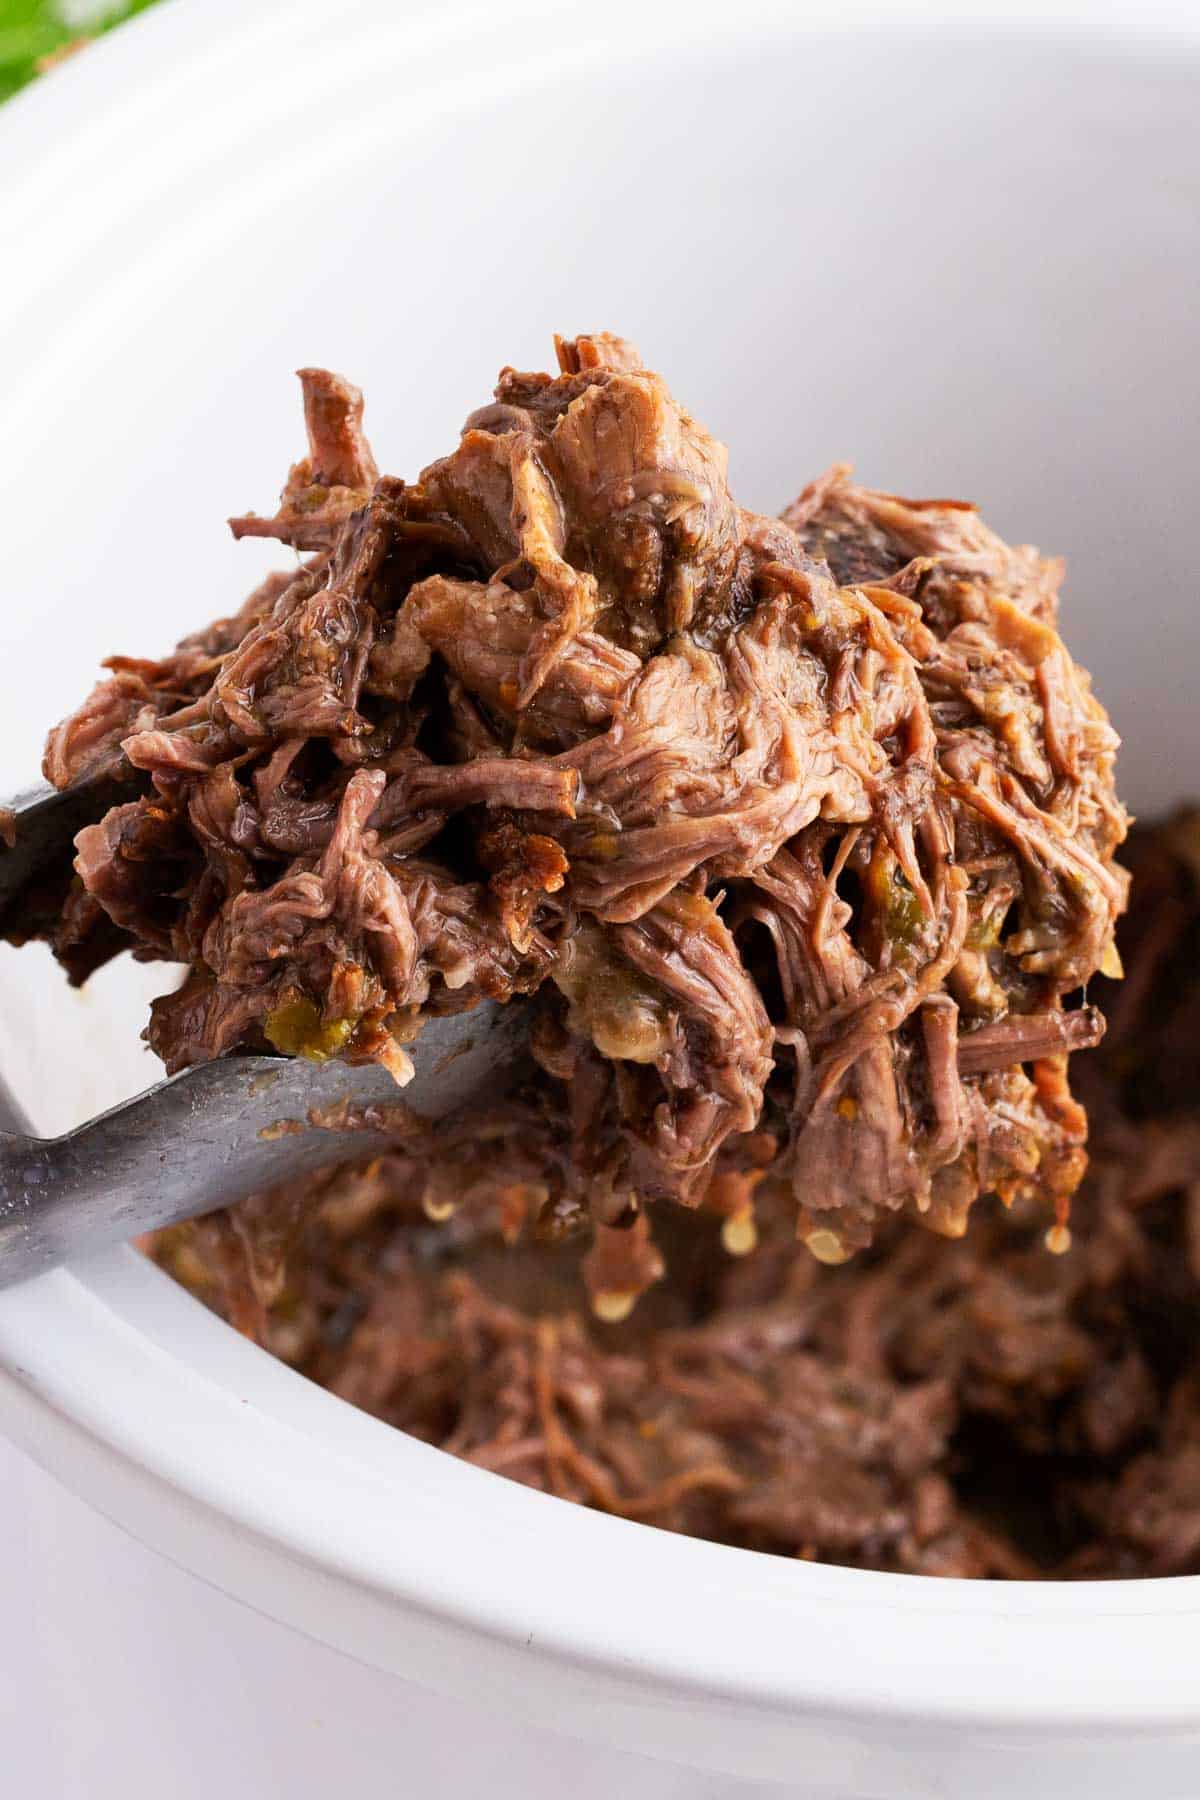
x,y
795,835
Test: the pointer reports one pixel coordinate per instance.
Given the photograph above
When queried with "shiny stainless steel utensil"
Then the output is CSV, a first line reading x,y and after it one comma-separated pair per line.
x,y
218,1131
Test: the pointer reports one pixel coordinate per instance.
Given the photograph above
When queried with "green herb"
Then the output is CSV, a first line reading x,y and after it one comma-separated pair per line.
x,y
34,32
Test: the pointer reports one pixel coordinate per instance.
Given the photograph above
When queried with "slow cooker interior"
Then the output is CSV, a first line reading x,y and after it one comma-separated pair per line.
x,y
969,268
986,291
987,295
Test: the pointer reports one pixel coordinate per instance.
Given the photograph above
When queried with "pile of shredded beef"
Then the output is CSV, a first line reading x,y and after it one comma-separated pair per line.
x,y
976,1408
795,835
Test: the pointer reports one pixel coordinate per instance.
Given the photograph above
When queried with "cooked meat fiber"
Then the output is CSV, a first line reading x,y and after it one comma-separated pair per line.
x,y
795,835
979,1408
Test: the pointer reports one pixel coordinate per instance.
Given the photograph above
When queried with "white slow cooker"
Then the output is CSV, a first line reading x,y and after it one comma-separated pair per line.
x,y
959,244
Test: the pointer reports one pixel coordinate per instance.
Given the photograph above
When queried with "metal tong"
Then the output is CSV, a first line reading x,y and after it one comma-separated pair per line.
x,y
218,1131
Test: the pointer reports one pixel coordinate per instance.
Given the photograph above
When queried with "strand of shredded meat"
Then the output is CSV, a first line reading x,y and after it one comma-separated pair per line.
x,y
796,836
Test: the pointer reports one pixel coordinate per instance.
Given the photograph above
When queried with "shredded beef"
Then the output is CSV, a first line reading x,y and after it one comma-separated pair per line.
x,y
795,836
980,1408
